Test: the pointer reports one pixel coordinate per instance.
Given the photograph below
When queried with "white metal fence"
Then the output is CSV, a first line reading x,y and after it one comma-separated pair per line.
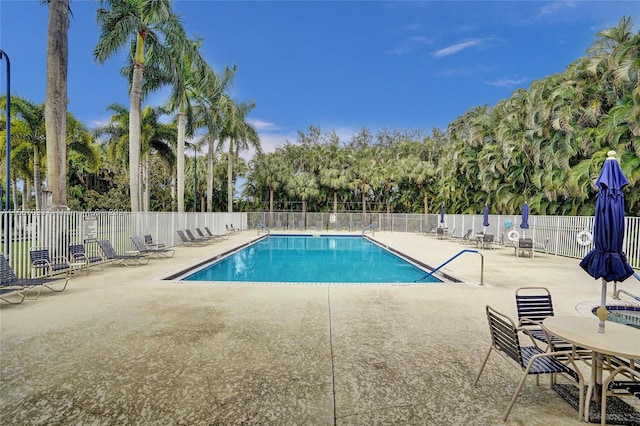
x,y
22,230
557,233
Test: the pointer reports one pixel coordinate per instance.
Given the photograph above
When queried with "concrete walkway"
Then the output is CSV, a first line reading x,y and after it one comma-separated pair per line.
x,y
123,346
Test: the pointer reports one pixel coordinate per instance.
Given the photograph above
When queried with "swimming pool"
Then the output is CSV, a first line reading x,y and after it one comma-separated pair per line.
x,y
321,259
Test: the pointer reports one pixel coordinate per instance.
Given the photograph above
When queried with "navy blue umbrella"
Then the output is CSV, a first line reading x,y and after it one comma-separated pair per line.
x,y
485,217
442,214
607,261
525,216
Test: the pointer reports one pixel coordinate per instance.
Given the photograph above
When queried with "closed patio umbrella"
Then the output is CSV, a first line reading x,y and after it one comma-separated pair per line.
x,y
607,261
442,216
485,218
525,217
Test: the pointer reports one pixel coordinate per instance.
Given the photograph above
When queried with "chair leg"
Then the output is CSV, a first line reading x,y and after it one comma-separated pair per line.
x,y
483,365
515,395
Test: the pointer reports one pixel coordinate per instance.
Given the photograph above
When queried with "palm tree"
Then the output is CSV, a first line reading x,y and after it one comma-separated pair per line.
x,y
211,100
241,135
270,170
56,101
30,132
159,41
156,138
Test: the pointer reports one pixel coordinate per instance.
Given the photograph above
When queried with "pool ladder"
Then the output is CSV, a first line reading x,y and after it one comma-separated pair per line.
x,y
453,257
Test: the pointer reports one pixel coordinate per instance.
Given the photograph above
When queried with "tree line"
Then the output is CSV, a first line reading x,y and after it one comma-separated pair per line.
x,y
544,145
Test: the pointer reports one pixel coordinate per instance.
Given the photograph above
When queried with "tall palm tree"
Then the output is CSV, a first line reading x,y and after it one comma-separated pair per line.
x,y
56,101
29,131
211,101
158,40
241,135
156,138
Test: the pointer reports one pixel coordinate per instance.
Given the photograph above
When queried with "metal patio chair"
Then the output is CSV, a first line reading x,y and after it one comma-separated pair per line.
x,y
531,360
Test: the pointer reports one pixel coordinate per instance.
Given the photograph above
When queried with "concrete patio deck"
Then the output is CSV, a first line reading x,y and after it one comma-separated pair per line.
x,y
122,346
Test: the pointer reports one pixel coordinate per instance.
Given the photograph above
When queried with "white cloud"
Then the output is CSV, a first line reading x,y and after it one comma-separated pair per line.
x,y
261,124
457,47
409,45
555,8
507,82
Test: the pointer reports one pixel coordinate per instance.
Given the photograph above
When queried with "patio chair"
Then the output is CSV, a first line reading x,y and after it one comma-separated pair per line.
x,y
466,238
234,229
534,305
150,242
77,254
615,385
487,241
336,225
139,245
121,259
42,262
531,360
524,245
11,284
211,234
319,225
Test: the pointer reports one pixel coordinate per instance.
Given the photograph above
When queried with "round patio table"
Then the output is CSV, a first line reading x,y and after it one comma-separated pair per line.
x,y
617,340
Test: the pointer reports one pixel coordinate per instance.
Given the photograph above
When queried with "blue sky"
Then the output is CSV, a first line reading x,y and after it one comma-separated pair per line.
x,y
337,65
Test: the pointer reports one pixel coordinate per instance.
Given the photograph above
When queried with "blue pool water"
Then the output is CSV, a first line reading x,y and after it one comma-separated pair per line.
x,y
325,259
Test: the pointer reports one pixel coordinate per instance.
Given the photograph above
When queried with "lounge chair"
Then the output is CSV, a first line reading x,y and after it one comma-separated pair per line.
x,y
197,239
150,242
534,305
211,234
7,291
11,284
190,241
77,254
121,259
42,262
234,229
138,244
528,359
213,238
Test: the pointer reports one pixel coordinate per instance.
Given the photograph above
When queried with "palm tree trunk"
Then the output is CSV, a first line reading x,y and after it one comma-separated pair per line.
x,y
210,157
146,195
56,101
230,178
180,161
335,201
37,182
364,207
271,191
25,191
134,136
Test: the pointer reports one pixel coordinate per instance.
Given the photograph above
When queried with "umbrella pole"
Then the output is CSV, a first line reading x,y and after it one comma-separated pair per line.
x,y
602,310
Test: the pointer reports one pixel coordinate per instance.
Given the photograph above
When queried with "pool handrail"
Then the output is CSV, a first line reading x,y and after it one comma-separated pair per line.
x,y
372,227
616,295
453,257
263,226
